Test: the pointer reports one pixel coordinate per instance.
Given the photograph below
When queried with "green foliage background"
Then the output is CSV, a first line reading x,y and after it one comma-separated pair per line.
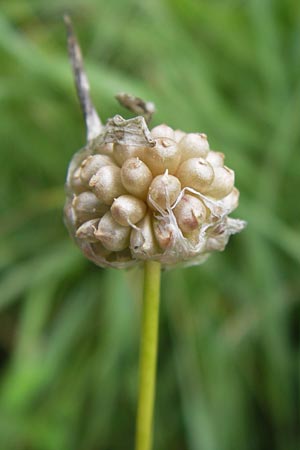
x,y
229,331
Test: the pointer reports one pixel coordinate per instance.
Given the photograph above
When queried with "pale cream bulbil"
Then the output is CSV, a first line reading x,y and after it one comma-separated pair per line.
x,y
163,192
106,184
111,234
136,177
193,145
128,210
165,155
196,173
91,165
122,153
135,194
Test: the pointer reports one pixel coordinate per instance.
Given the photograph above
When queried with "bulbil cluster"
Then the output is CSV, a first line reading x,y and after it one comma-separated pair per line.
x,y
135,194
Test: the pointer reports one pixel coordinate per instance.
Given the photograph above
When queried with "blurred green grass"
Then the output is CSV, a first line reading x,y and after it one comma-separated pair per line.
x,y
229,336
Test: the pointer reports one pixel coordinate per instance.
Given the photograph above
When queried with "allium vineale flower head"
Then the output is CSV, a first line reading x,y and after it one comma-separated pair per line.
x,y
135,194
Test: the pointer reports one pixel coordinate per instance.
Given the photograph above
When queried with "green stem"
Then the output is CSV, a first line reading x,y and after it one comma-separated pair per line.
x,y
148,356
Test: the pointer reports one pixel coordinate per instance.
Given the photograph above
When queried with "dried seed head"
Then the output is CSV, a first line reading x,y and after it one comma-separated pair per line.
x,y
92,164
193,145
162,131
87,230
165,155
196,173
136,177
163,191
190,212
122,153
128,210
216,159
222,183
87,206
107,185
113,236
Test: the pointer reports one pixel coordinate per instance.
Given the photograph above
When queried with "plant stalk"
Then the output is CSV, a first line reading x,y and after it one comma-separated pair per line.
x,y
148,355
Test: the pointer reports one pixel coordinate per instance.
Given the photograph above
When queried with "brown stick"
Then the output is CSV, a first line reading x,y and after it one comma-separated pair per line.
x,y
92,120
137,105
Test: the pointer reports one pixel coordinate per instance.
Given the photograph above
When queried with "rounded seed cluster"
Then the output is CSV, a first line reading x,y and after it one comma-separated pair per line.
x,y
168,201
